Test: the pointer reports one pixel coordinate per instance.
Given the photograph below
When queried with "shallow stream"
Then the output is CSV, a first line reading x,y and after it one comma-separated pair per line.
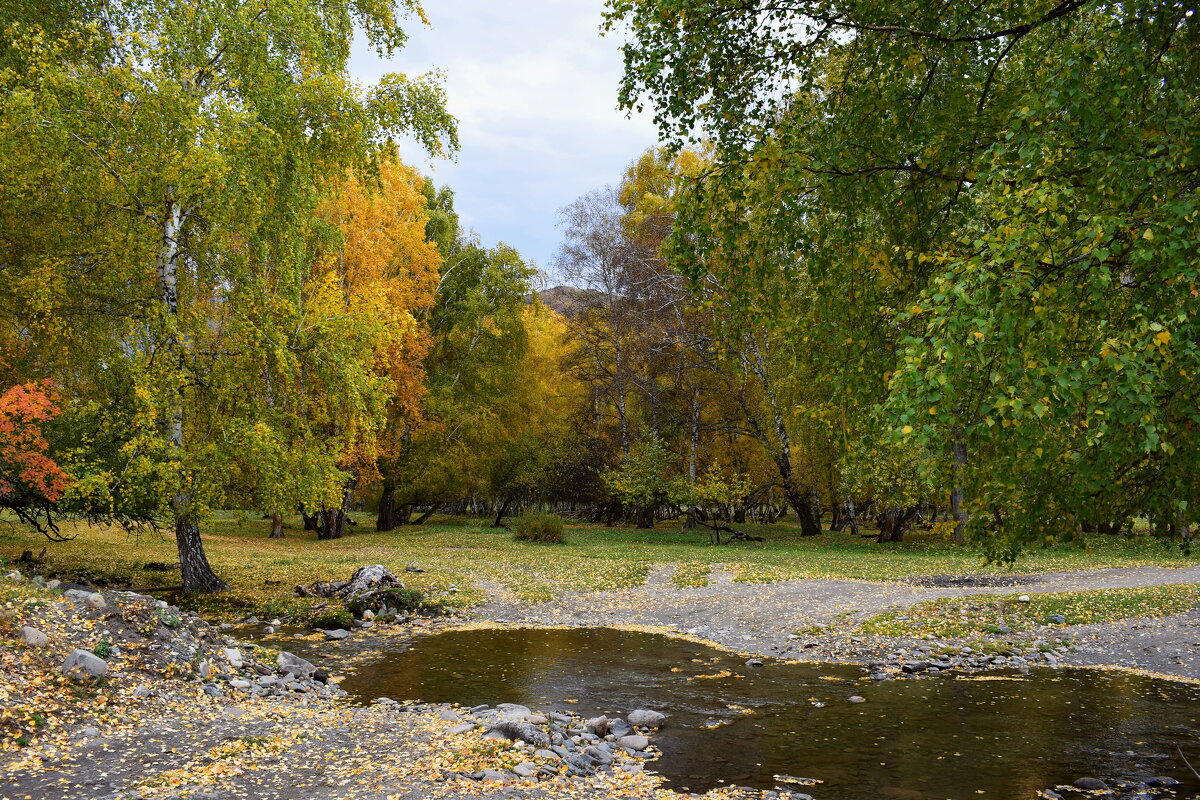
x,y
1004,736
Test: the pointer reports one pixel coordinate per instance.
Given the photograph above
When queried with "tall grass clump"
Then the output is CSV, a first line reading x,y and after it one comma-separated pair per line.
x,y
534,526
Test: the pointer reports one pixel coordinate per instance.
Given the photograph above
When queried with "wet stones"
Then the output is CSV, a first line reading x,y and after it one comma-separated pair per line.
x,y
644,718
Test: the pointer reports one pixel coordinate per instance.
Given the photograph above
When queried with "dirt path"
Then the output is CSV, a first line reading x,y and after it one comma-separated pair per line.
x,y
764,618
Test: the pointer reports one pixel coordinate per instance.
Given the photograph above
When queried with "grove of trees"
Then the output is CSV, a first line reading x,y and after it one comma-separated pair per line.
x,y
893,262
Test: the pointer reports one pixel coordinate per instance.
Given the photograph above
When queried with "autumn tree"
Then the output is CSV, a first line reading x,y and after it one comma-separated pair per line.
x,y
176,153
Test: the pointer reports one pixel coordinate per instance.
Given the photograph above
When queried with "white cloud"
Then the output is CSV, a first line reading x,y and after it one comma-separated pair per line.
x,y
534,86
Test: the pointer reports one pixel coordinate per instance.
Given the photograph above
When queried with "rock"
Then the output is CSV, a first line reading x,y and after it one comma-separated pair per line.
x,y
619,727
854,698
240,683
95,600
53,584
234,657
1024,599
212,690
525,769
520,731
598,725
290,664
1091,784
141,693
465,727
582,763
337,633
548,755
913,667
494,776
82,664
1050,794
754,662
1161,781
205,669
644,718
601,754
33,637
368,614
1057,619
634,742
15,576
90,732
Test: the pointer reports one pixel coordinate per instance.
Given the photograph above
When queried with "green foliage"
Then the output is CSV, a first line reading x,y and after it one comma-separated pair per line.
x,y
104,648
332,618
992,211
534,526
644,479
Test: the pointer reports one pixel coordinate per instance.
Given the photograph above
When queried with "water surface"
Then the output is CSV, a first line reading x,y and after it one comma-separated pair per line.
x,y
933,739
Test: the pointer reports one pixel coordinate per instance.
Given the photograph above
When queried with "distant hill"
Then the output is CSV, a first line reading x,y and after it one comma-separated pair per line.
x,y
568,300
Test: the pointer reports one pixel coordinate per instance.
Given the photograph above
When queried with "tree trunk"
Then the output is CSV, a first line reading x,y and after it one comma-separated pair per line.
x,y
959,449
385,520
809,525
645,516
331,522
500,513
197,574
276,525
421,520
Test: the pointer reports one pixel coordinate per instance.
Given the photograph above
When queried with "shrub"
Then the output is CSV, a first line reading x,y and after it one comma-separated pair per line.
x,y
536,527
333,618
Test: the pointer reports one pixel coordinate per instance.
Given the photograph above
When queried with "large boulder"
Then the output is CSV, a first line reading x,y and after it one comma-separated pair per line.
x,y
82,664
634,742
290,664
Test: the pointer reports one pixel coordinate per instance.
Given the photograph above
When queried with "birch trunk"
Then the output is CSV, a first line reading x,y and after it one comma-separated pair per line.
x,y
197,574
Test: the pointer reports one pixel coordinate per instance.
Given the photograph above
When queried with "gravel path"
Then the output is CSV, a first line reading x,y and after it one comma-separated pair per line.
x,y
764,618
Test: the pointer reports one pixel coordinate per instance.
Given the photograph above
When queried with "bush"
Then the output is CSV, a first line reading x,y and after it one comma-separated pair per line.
x,y
536,527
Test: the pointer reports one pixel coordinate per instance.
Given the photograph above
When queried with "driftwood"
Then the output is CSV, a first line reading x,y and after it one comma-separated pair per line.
x,y
365,581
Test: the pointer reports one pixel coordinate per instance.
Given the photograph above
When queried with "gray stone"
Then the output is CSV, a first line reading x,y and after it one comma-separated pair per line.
x,y
33,637
212,690
290,664
82,664
141,692
1161,781
337,633
520,731
1091,785
90,732
239,683
549,755
915,666
525,769
582,763
754,662
463,728
53,584
493,775
644,718
1057,619
95,600
854,698
598,725
234,657
634,742
601,755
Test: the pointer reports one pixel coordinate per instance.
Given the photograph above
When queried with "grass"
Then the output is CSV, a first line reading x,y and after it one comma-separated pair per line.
x,y
460,552
963,617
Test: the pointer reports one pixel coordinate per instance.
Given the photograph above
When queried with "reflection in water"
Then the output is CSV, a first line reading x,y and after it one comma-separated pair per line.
x,y
938,738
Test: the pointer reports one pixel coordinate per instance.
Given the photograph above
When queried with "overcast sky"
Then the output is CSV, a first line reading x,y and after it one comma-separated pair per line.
x,y
534,87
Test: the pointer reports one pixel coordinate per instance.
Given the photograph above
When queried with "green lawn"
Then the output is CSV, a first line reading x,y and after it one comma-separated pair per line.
x,y
459,552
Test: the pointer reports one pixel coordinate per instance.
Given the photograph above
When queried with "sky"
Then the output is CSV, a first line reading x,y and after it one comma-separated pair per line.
x,y
534,87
